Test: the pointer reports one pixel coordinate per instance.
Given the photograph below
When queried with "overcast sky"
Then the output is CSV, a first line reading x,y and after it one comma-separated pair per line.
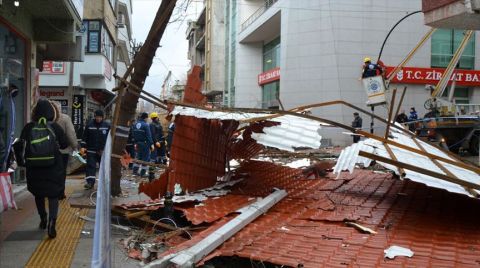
x,y
173,53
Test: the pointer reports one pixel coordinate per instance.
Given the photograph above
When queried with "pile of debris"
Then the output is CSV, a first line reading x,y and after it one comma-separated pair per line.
x,y
238,191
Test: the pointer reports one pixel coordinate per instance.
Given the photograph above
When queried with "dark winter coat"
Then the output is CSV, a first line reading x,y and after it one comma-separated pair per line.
x,y
46,181
370,70
357,122
156,130
142,133
95,136
402,118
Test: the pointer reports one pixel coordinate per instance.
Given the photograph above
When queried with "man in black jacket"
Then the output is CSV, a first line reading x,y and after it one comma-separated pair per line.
x,y
357,123
94,138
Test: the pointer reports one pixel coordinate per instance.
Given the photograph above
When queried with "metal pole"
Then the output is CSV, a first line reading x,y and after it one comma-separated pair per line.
x,y
70,89
392,104
391,30
373,118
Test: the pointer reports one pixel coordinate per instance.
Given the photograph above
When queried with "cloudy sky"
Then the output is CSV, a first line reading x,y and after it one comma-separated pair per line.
x,y
172,55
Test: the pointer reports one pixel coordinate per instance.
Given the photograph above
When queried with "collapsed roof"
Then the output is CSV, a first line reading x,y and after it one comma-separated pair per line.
x,y
322,222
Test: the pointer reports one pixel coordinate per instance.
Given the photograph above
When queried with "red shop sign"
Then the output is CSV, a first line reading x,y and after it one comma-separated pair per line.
x,y
53,67
414,75
269,76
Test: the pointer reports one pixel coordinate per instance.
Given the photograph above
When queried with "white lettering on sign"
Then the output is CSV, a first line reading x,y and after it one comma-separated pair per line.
x,y
415,75
269,76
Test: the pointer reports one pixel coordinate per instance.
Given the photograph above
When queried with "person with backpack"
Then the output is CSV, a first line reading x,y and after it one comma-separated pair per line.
x,y
43,139
94,138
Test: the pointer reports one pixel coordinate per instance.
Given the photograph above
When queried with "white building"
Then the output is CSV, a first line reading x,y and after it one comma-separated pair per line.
x,y
312,51
107,33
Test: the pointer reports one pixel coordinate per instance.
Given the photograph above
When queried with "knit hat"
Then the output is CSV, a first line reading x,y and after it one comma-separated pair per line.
x,y
99,113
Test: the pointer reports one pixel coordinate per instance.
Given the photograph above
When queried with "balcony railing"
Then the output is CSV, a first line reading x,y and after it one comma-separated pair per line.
x,y
257,13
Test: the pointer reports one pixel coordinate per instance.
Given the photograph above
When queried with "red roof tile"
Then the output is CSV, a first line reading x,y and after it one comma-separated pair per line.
x,y
307,226
213,209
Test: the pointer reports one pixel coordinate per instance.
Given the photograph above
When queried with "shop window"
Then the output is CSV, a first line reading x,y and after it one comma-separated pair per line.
x,y
444,44
270,95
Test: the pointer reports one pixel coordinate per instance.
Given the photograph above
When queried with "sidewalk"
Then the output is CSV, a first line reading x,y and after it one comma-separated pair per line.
x,y
22,244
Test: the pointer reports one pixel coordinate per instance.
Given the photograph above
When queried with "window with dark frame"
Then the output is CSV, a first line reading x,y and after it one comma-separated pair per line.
x,y
93,36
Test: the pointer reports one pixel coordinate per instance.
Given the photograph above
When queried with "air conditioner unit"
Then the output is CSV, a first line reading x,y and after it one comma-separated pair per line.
x,y
121,20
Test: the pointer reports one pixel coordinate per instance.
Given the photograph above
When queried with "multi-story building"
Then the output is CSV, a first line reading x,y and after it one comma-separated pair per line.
x,y
206,38
303,52
83,87
32,31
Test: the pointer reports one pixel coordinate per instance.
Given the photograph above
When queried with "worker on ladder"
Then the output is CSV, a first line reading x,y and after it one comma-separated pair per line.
x,y
370,69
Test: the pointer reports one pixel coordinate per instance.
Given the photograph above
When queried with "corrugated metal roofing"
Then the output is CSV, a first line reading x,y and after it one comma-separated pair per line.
x,y
291,132
350,157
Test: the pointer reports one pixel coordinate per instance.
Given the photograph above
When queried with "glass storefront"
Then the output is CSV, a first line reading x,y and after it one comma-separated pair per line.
x,y
270,95
444,44
271,55
12,78
271,60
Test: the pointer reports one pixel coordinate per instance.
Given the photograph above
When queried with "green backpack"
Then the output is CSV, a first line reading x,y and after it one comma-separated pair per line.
x,y
41,145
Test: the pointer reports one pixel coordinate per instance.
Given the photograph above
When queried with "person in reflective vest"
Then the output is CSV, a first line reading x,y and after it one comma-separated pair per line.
x,y
144,143
93,143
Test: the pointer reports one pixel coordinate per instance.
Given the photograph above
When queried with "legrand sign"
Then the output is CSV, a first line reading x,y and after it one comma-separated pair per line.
x,y
269,76
52,93
414,75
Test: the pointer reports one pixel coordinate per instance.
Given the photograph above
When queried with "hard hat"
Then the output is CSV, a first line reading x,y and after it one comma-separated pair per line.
x,y
153,115
367,59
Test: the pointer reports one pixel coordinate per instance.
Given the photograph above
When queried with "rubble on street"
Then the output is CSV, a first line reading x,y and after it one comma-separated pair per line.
x,y
375,213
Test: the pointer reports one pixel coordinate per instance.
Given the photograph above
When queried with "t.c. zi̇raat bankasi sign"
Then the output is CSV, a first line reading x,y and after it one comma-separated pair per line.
x,y
414,75
269,76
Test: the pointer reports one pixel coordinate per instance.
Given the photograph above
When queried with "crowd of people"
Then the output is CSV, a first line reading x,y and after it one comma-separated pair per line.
x,y
47,142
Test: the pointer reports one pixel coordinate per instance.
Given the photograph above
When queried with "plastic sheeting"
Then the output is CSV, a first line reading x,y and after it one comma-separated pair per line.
x,y
101,256
349,157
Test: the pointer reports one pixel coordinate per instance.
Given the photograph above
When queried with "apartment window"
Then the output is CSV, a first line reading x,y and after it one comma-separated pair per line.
x,y
271,55
93,36
107,46
444,44
98,39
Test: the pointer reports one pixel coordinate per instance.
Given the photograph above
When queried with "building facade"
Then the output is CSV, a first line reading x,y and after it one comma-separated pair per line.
x,y
83,87
302,52
206,38
31,32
